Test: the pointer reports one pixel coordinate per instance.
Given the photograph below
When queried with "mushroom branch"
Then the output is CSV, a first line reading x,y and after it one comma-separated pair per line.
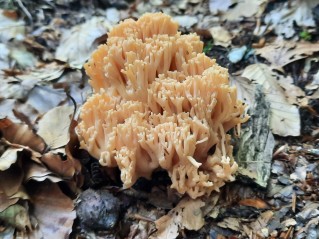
x,y
160,103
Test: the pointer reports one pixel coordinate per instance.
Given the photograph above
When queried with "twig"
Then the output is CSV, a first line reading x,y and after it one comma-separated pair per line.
x,y
25,10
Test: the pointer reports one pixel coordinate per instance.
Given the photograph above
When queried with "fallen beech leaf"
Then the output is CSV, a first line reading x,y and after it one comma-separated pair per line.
x,y
8,158
256,8
283,18
254,202
285,118
187,214
65,168
16,216
221,36
53,210
38,172
281,52
44,98
216,6
54,126
21,134
11,180
78,43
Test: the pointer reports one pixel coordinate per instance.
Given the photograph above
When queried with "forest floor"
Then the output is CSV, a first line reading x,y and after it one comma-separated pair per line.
x,y
50,188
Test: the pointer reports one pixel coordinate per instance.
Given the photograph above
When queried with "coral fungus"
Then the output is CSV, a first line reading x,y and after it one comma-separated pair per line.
x,y
159,102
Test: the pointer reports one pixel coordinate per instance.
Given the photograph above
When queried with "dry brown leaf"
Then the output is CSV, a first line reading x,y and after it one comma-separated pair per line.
x,y
281,52
11,180
20,134
66,168
285,118
53,211
254,202
187,214
78,43
38,172
54,126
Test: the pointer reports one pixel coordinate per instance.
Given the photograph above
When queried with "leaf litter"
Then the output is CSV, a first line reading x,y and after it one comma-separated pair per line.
x,y
43,169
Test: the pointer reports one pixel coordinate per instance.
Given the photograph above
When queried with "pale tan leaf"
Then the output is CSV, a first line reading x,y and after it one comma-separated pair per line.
x,y
221,36
187,214
8,158
239,11
216,6
78,43
285,118
53,210
54,126
281,52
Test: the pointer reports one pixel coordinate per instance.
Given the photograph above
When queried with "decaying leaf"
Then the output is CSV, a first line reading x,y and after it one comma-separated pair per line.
x,y
187,214
53,211
78,43
256,144
285,119
281,52
298,11
16,216
54,126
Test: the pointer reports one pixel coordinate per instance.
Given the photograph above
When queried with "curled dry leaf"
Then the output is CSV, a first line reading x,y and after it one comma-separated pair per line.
x,y
53,211
78,43
281,52
254,202
38,172
54,126
8,158
187,214
285,119
21,134
65,167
